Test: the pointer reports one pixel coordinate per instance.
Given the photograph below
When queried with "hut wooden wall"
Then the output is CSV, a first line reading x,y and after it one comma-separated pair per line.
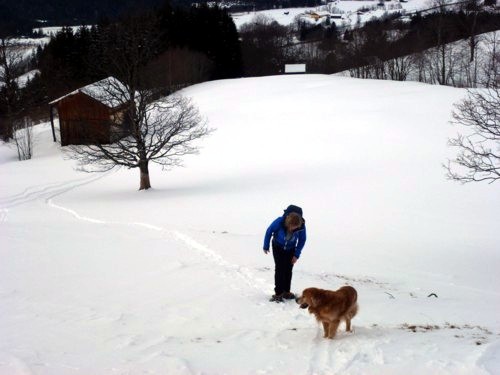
x,y
83,120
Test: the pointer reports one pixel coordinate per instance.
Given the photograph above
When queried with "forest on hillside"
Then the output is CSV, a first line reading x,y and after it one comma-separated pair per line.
x,y
20,16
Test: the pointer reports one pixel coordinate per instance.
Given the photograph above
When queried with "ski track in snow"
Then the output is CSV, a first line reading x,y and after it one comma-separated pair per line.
x,y
3,215
41,191
242,273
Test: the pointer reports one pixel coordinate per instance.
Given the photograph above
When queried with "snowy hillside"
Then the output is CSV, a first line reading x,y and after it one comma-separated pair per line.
x,y
22,49
98,278
348,8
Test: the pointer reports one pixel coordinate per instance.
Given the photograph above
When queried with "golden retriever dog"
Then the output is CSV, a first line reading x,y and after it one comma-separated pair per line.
x,y
330,307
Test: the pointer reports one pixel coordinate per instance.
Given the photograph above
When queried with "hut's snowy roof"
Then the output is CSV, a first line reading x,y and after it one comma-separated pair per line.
x,y
109,91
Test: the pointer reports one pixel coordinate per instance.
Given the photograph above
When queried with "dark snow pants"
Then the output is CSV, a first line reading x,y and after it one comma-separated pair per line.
x,y
283,269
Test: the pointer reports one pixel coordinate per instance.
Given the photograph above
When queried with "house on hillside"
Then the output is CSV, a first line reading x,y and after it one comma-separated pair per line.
x,y
92,114
317,15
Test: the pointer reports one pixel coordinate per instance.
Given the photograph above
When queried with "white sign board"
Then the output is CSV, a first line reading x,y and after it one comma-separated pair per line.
x,y
295,68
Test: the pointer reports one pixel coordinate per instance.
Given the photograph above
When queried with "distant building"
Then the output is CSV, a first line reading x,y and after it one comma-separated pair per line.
x,y
91,114
318,15
295,68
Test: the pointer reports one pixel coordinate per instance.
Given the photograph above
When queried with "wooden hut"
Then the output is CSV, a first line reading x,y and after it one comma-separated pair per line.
x,y
91,114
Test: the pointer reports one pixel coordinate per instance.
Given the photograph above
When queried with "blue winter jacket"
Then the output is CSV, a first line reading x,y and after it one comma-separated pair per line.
x,y
278,231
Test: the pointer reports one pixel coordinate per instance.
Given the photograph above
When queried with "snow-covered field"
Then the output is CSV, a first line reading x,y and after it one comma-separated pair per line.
x,y
287,16
99,278
51,31
25,47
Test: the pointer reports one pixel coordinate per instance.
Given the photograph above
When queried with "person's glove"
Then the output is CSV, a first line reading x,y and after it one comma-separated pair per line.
x,y
266,251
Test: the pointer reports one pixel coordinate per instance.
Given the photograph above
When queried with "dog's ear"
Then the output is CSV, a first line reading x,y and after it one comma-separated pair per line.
x,y
316,298
314,301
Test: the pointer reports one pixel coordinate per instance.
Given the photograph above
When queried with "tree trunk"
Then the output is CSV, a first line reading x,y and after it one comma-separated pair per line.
x,y
443,65
472,42
145,184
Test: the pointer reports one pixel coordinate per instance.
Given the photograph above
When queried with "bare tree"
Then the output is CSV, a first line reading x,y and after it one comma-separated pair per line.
x,y
471,9
160,132
478,156
399,68
23,138
442,48
491,66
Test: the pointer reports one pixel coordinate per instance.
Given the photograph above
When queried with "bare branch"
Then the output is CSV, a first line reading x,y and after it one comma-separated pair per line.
x,y
23,138
478,156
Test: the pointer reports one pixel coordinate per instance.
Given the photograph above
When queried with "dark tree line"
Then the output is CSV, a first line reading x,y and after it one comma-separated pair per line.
x,y
263,44
424,31
78,58
209,30
381,40
20,16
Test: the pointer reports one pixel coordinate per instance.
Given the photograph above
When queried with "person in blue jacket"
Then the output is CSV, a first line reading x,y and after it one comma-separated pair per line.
x,y
288,233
